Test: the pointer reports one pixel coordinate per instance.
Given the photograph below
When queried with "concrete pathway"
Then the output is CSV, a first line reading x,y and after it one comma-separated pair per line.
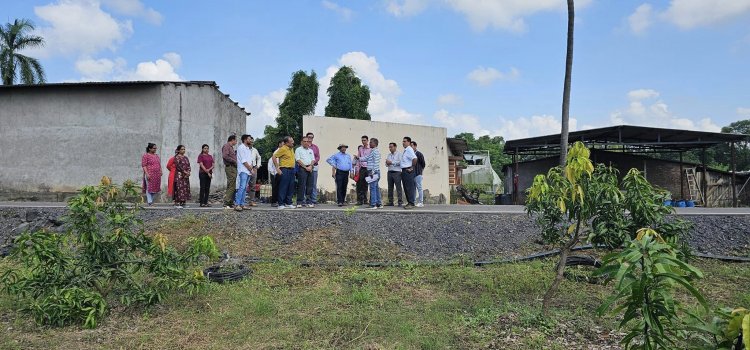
x,y
477,209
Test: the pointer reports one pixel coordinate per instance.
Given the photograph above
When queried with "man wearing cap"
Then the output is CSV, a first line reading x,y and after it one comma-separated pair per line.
x,y
342,165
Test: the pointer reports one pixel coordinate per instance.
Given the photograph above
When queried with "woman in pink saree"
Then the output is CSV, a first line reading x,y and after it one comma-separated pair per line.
x,y
151,165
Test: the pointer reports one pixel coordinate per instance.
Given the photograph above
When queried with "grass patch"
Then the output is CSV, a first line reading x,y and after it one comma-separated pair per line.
x,y
416,307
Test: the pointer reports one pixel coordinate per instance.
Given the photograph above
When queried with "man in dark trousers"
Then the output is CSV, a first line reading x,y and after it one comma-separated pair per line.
x,y
418,179
408,173
341,165
361,170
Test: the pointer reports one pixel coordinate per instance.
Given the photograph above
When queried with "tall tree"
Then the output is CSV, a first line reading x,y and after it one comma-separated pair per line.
x,y
300,100
349,98
566,86
14,38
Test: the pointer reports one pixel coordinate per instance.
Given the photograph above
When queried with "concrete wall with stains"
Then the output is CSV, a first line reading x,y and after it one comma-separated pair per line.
x,y
57,138
330,132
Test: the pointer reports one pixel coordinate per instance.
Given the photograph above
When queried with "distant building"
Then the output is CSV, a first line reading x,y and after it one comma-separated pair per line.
x,y
56,138
625,147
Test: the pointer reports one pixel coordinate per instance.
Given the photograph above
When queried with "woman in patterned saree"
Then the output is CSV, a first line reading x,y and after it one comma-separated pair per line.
x,y
151,165
181,178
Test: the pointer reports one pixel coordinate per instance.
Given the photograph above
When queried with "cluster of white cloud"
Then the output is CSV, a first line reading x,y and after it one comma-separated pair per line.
x,y
482,14
345,13
646,109
450,99
265,109
688,14
82,29
103,69
487,76
383,92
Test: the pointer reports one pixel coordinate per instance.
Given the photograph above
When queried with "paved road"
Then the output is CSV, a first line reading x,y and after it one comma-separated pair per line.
x,y
486,209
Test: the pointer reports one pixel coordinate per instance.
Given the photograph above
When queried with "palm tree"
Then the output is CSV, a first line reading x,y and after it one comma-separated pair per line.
x,y
566,249
14,38
566,87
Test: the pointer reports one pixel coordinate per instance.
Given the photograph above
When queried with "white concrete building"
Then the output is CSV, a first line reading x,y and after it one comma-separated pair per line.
x,y
56,138
431,141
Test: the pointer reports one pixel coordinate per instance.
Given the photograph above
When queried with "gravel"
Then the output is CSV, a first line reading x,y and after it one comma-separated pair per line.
x,y
422,236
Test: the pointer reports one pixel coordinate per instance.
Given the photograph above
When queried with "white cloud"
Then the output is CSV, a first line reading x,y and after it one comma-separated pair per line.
x,y
264,111
79,27
532,126
486,76
641,19
743,112
344,12
458,123
482,14
405,8
134,8
450,99
646,109
174,59
688,14
105,69
642,94
99,69
384,92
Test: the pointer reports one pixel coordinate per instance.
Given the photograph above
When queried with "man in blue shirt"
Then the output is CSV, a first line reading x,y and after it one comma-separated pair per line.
x,y
342,165
408,173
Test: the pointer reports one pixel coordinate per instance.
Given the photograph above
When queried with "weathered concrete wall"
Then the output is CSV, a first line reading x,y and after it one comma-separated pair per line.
x,y
58,138
198,114
330,132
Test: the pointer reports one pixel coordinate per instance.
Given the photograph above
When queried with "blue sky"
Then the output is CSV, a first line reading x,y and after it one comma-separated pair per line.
x,y
484,66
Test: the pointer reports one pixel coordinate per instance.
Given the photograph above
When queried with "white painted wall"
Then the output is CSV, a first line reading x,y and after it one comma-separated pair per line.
x,y
330,132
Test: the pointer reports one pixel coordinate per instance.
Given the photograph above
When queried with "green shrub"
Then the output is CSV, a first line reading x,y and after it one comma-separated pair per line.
x,y
645,274
104,257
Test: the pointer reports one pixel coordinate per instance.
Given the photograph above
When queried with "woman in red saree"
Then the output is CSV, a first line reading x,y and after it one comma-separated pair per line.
x,y
151,165
170,180
181,178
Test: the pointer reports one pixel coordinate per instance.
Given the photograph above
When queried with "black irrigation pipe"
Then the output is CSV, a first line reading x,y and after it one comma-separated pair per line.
x,y
480,263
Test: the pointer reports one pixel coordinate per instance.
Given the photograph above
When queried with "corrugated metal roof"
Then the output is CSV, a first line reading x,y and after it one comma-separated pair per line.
x,y
108,83
628,135
121,83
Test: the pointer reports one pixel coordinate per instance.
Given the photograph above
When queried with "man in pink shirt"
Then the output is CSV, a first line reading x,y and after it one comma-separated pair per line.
x,y
316,153
361,169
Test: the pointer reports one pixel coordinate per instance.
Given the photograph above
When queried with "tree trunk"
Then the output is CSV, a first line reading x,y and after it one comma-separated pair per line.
x,y
566,87
564,253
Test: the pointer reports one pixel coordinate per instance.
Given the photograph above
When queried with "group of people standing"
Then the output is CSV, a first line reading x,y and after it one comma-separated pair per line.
x,y
404,173
178,186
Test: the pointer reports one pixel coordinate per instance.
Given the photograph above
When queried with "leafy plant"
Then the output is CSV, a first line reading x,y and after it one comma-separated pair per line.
x,y
645,275
103,257
584,202
730,329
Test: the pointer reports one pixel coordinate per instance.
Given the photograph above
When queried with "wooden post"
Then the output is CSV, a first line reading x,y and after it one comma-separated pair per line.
x,y
682,179
704,178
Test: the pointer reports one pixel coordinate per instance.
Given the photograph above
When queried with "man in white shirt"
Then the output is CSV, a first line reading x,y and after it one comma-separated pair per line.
x,y
408,173
393,162
255,162
244,171
274,176
305,159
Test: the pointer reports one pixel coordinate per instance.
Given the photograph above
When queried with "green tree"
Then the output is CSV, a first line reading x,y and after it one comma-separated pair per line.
x,y
349,98
14,38
722,154
494,145
300,100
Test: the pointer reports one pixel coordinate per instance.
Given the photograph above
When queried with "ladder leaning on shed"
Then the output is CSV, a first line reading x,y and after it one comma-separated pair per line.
x,y
695,191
